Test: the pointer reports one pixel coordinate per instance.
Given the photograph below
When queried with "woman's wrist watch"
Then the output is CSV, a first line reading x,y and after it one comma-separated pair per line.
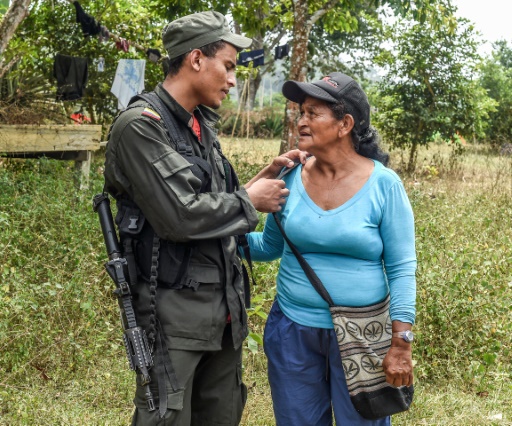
x,y
406,335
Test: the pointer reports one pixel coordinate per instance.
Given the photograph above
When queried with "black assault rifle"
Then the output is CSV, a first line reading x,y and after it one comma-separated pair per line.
x,y
135,341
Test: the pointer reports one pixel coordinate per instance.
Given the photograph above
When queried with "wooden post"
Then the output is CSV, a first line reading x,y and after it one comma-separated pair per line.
x,y
82,170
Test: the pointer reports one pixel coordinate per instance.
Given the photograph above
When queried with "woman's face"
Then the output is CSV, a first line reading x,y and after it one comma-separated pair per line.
x,y
318,128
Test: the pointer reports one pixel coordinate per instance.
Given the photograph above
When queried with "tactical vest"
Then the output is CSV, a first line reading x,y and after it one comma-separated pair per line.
x,y
136,233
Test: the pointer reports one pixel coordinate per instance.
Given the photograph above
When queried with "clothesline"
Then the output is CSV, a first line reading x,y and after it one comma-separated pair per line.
x,y
91,27
71,72
121,42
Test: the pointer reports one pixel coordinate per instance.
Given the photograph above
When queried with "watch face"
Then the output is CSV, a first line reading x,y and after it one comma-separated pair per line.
x,y
408,336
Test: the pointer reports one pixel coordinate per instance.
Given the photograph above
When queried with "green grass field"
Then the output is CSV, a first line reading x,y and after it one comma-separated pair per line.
x,y
61,357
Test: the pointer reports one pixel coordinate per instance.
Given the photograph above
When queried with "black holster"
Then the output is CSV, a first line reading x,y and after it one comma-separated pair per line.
x,y
136,235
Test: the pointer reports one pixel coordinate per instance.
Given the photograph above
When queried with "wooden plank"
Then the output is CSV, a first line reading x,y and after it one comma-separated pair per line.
x,y
30,138
54,155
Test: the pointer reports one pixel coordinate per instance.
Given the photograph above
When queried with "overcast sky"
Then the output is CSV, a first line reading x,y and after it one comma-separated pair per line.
x,y
491,18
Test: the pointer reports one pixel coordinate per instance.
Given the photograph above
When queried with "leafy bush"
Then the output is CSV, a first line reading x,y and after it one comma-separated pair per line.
x,y
496,78
264,124
229,121
433,92
464,282
270,126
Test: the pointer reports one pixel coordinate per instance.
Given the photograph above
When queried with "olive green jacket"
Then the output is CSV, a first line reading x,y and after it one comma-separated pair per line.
x,y
142,164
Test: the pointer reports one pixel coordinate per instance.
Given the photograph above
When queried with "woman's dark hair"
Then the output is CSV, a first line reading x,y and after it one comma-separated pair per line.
x,y
210,50
366,143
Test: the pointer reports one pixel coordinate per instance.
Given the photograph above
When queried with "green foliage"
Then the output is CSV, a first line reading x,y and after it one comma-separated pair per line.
x,y
436,13
60,336
496,78
4,5
246,169
51,28
169,10
49,300
464,283
270,126
429,86
264,124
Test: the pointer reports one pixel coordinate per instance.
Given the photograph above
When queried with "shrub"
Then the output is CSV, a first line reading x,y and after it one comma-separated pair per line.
x,y
264,124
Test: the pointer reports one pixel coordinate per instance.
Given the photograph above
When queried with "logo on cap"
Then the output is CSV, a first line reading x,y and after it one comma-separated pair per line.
x,y
330,81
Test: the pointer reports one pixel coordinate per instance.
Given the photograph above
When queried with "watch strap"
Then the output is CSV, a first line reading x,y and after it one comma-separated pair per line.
x,y
406,335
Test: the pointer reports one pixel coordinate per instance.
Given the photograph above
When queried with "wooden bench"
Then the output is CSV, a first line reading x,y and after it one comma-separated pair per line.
x,y
60,142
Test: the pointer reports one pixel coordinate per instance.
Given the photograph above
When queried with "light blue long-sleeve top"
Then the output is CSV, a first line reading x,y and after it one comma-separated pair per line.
x,y
361,250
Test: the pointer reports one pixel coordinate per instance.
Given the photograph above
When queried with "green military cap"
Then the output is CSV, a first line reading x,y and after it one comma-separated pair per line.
x,y
197,30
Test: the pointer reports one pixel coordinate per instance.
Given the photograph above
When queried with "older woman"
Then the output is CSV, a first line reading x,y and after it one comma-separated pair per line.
x,y
351,219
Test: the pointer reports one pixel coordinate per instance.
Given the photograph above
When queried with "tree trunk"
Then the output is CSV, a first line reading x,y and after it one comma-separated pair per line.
x,y
17,12
254,85
412,157
298,69
413,154
90,110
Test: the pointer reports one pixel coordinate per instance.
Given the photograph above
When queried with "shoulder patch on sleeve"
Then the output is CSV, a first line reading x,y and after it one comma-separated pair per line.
x,y
148,112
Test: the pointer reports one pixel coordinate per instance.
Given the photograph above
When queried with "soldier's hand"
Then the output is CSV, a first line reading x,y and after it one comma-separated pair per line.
x,y
267,195
288,159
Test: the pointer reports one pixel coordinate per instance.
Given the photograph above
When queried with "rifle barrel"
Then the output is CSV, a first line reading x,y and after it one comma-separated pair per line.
x,y
101,205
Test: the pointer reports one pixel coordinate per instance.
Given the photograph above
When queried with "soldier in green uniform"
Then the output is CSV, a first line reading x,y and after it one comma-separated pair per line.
x,y
180,210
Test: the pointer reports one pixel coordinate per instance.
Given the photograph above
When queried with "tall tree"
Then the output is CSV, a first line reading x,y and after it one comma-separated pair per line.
x,y
337,16
17,12
430,86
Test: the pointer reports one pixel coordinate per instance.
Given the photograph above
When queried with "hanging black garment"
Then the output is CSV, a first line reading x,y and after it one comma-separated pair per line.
x,y
256,56
88,23
71,74
282,51
153,55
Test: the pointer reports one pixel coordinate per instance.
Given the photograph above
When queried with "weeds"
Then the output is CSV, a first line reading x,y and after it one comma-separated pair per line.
x,y
61,354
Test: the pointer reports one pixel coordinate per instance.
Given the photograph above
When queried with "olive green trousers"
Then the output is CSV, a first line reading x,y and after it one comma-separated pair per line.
x,y
213,395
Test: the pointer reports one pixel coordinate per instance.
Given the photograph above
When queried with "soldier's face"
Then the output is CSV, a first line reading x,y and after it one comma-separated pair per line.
x,y
217,76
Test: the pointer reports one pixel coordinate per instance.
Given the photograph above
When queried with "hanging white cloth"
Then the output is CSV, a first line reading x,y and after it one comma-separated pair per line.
x,y
129,80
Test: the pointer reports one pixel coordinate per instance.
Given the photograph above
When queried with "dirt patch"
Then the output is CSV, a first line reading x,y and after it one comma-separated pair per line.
x,y
37,113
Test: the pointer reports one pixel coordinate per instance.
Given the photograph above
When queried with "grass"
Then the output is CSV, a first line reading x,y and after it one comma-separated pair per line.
x,y
61,357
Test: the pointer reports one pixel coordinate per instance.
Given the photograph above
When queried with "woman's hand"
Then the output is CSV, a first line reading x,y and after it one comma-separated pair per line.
x,y
397,363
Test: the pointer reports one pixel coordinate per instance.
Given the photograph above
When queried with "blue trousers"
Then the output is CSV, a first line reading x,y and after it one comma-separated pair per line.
x,y
306,376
